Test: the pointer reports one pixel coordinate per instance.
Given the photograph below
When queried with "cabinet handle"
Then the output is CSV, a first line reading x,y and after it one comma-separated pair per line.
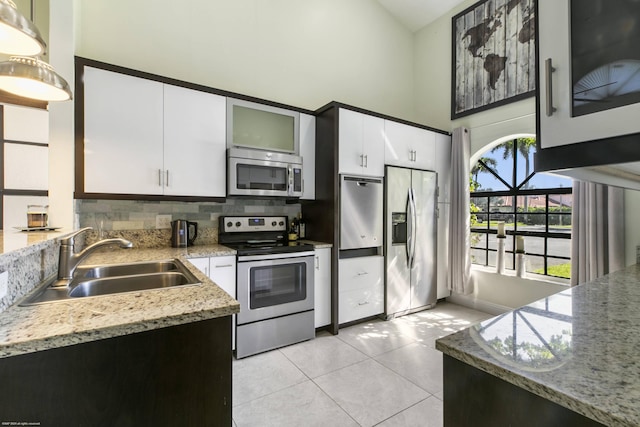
x,y
361,160
548,70
362,273
366,161
206,271
224,265
317,262
167,183
415,155
363,303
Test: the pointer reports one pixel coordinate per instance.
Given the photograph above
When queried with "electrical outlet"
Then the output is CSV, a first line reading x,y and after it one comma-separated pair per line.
x,y
163,221
4,284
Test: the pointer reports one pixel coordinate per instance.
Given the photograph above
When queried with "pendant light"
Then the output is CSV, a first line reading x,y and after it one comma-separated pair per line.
x,y
27,76
18,35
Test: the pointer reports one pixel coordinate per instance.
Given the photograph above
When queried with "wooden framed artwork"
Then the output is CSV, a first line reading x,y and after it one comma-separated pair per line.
x,y
493,55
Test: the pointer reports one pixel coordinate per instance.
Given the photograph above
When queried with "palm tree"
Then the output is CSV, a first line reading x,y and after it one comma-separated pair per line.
x,y
522,146
484,164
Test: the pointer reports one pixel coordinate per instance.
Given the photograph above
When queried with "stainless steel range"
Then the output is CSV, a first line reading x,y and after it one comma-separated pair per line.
x,y
274,283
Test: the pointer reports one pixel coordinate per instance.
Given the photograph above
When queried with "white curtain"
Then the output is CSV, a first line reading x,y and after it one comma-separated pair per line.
x,y
597,235
459,217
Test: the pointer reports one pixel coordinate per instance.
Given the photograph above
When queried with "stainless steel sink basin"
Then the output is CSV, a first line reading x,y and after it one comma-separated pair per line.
x,y
97,280
112,270
139,282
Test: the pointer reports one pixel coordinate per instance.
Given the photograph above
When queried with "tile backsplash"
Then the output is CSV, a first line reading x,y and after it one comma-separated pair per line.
x,y
110,217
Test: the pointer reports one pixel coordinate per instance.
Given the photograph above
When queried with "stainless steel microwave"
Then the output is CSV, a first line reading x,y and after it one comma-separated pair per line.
x,y
263,173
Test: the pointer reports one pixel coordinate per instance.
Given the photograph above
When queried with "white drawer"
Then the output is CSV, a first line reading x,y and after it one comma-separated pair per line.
x,y
360,303
360,273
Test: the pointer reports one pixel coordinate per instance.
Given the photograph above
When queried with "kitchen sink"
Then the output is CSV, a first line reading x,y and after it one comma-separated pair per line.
x,y
111,270
98,280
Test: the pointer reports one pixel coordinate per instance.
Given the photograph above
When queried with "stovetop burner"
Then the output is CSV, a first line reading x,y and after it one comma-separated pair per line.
x,y
258,236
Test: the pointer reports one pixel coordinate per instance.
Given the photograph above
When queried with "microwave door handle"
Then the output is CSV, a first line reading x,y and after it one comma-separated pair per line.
x,y
290,180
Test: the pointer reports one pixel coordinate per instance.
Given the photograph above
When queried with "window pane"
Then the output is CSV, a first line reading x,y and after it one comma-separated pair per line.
x,y
559,222
559,247
508,260
534,245
526,147
544,180
478,240
531,222
508,242
534,264
532,203
482,203
559,267
479,256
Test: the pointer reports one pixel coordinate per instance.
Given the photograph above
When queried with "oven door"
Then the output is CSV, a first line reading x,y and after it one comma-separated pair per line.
x,y
274,285
250,177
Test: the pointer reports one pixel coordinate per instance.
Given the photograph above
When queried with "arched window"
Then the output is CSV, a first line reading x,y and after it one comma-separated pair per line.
x,y
536,206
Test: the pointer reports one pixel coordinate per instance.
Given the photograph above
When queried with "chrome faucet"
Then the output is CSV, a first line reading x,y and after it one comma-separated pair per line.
x,y
69,260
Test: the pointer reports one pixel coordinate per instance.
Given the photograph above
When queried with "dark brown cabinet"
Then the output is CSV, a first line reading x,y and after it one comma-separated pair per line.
x,y
179,375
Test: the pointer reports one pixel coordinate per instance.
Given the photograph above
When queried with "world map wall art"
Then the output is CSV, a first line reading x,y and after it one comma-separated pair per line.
x,y
493,55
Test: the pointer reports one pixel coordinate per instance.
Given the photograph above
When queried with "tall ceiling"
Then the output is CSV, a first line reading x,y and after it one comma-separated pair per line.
x,y
415,14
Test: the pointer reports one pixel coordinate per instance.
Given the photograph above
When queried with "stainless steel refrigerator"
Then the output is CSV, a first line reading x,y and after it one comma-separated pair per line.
x,y
410,240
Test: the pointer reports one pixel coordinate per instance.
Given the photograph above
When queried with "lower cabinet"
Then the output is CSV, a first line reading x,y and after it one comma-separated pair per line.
x,y
361,288
322,287
174,376
222,270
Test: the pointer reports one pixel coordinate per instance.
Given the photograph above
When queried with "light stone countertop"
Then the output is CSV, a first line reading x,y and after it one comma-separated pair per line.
x,y
579,348
46,326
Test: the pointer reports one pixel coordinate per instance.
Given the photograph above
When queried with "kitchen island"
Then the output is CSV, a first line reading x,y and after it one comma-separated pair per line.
x,y
569,359
154,357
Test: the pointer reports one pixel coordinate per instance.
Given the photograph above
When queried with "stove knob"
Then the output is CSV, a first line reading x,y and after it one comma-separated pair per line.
x,y
281,223
229,224
238,224
273,224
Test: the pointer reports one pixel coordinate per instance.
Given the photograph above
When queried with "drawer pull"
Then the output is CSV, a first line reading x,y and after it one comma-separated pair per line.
x,y
363,303
362,273
224,265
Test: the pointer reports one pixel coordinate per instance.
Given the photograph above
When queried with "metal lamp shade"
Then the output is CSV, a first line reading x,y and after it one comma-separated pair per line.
x,y
32,78
18,35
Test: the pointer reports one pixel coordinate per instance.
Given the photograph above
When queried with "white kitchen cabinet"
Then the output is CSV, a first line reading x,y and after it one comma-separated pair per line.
x,y
322,287
361,144
222,270
443,251
361,288
194,141
559,128
409,146
26,167
25,124
443,166
308,153
146,137
122,133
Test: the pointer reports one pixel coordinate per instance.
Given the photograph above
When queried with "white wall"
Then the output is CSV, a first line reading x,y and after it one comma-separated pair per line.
x,y
296,52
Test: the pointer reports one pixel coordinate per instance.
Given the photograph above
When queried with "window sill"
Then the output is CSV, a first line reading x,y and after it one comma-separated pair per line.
x,y
529,276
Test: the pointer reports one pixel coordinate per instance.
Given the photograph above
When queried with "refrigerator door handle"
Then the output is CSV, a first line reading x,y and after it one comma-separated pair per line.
x,y
414,223
410,245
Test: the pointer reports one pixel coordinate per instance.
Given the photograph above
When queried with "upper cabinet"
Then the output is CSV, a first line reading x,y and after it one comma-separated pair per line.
x,y
589,89
145,137
361,144
194,140
409,146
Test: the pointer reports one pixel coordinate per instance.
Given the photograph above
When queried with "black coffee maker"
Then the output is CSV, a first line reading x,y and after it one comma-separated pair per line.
x,y
181,235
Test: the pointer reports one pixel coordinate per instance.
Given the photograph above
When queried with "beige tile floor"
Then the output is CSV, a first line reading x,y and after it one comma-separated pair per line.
x,y
377,373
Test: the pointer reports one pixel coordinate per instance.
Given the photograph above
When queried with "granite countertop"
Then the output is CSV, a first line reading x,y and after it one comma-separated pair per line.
x,y
579,348
46,326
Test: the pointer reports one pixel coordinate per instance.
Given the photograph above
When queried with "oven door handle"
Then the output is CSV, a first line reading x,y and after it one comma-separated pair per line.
x,y
263,257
